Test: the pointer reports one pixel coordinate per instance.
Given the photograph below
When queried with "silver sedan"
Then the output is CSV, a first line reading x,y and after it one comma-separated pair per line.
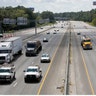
x,y
45,58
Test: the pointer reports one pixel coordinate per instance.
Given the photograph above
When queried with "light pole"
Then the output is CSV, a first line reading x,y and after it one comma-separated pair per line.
x,y
35,27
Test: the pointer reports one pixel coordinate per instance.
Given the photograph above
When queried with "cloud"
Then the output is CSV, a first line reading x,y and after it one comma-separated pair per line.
x,y
51,5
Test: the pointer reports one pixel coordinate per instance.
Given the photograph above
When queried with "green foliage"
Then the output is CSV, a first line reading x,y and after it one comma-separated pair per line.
x,y
14,13
87,16
48,15
94,21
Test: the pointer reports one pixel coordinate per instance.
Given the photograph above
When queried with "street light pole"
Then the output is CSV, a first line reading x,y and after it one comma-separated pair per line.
x,y
35,27
1,27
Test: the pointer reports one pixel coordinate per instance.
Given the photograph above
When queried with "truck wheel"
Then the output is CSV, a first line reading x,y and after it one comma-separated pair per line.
x,y
26,54
49,61
20,52
37,51
38,80
25,80
41,48
14,77
10,80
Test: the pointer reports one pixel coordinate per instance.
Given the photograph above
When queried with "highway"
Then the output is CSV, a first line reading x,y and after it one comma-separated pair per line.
x,y
81,68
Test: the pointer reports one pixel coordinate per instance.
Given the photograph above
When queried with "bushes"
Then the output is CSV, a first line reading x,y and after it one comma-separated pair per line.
x,y
94,21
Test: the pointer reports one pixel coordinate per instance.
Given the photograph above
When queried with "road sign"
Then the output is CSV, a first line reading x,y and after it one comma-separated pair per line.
x,y
22,21
12,21
6,21
9,21
94,2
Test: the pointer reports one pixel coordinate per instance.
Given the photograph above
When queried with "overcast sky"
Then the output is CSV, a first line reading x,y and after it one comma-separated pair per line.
x,y
55,6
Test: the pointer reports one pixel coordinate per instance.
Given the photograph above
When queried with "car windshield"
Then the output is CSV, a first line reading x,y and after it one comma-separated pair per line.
x,y
87,40
32,70
45,55
4,70
5,51
31,45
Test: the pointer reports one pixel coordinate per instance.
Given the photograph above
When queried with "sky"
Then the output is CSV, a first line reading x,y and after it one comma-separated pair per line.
x,y
55,6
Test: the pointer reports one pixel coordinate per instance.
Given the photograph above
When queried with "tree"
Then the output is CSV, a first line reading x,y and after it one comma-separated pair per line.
x,y
48,15
94,21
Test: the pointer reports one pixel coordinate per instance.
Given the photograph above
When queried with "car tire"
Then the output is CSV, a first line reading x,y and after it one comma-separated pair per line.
x,y
26,54
49,61
25,80
14,77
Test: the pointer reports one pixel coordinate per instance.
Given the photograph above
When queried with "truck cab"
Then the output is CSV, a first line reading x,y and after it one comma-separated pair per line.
x,y
5,52
4,58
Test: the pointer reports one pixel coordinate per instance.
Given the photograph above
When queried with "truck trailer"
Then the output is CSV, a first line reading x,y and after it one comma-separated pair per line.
x,y
10,47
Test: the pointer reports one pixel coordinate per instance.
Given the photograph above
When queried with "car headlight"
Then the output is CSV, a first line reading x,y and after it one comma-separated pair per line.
x,y
37,75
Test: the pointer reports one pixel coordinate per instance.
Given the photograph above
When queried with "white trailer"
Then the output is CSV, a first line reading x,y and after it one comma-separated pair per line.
x,y
10,47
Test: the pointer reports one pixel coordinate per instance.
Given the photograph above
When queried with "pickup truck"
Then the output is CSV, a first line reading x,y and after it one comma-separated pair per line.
x,y
7,72
32,73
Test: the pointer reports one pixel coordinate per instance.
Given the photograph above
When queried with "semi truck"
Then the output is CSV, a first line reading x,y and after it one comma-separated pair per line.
x,y
86,42
10,47
33,47
7,72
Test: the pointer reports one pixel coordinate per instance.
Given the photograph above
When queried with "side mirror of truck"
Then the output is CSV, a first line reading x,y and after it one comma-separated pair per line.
x,y
24,70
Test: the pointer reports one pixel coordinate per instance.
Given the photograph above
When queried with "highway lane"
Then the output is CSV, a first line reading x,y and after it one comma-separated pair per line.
x,y
82,77
79,80
82,67
18,86
53,83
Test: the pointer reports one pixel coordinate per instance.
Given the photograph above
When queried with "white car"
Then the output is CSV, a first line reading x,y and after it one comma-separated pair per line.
x,y
33,73
1,35
45,58
48,32
45,40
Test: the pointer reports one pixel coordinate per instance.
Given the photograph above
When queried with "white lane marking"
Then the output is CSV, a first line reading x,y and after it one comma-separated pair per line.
x,y
15,84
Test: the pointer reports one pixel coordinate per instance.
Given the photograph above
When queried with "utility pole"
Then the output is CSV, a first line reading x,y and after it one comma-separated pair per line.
x,y
1,27
35,27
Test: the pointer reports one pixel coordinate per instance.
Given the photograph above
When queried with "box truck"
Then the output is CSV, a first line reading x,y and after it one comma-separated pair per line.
x,y
10,47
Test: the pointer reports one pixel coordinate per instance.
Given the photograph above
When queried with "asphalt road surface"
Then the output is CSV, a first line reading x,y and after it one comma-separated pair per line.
x,y
81,70
83,62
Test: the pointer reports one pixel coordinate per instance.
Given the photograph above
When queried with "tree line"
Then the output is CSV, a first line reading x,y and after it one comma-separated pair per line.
x,y
20,11
40,18
86,16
